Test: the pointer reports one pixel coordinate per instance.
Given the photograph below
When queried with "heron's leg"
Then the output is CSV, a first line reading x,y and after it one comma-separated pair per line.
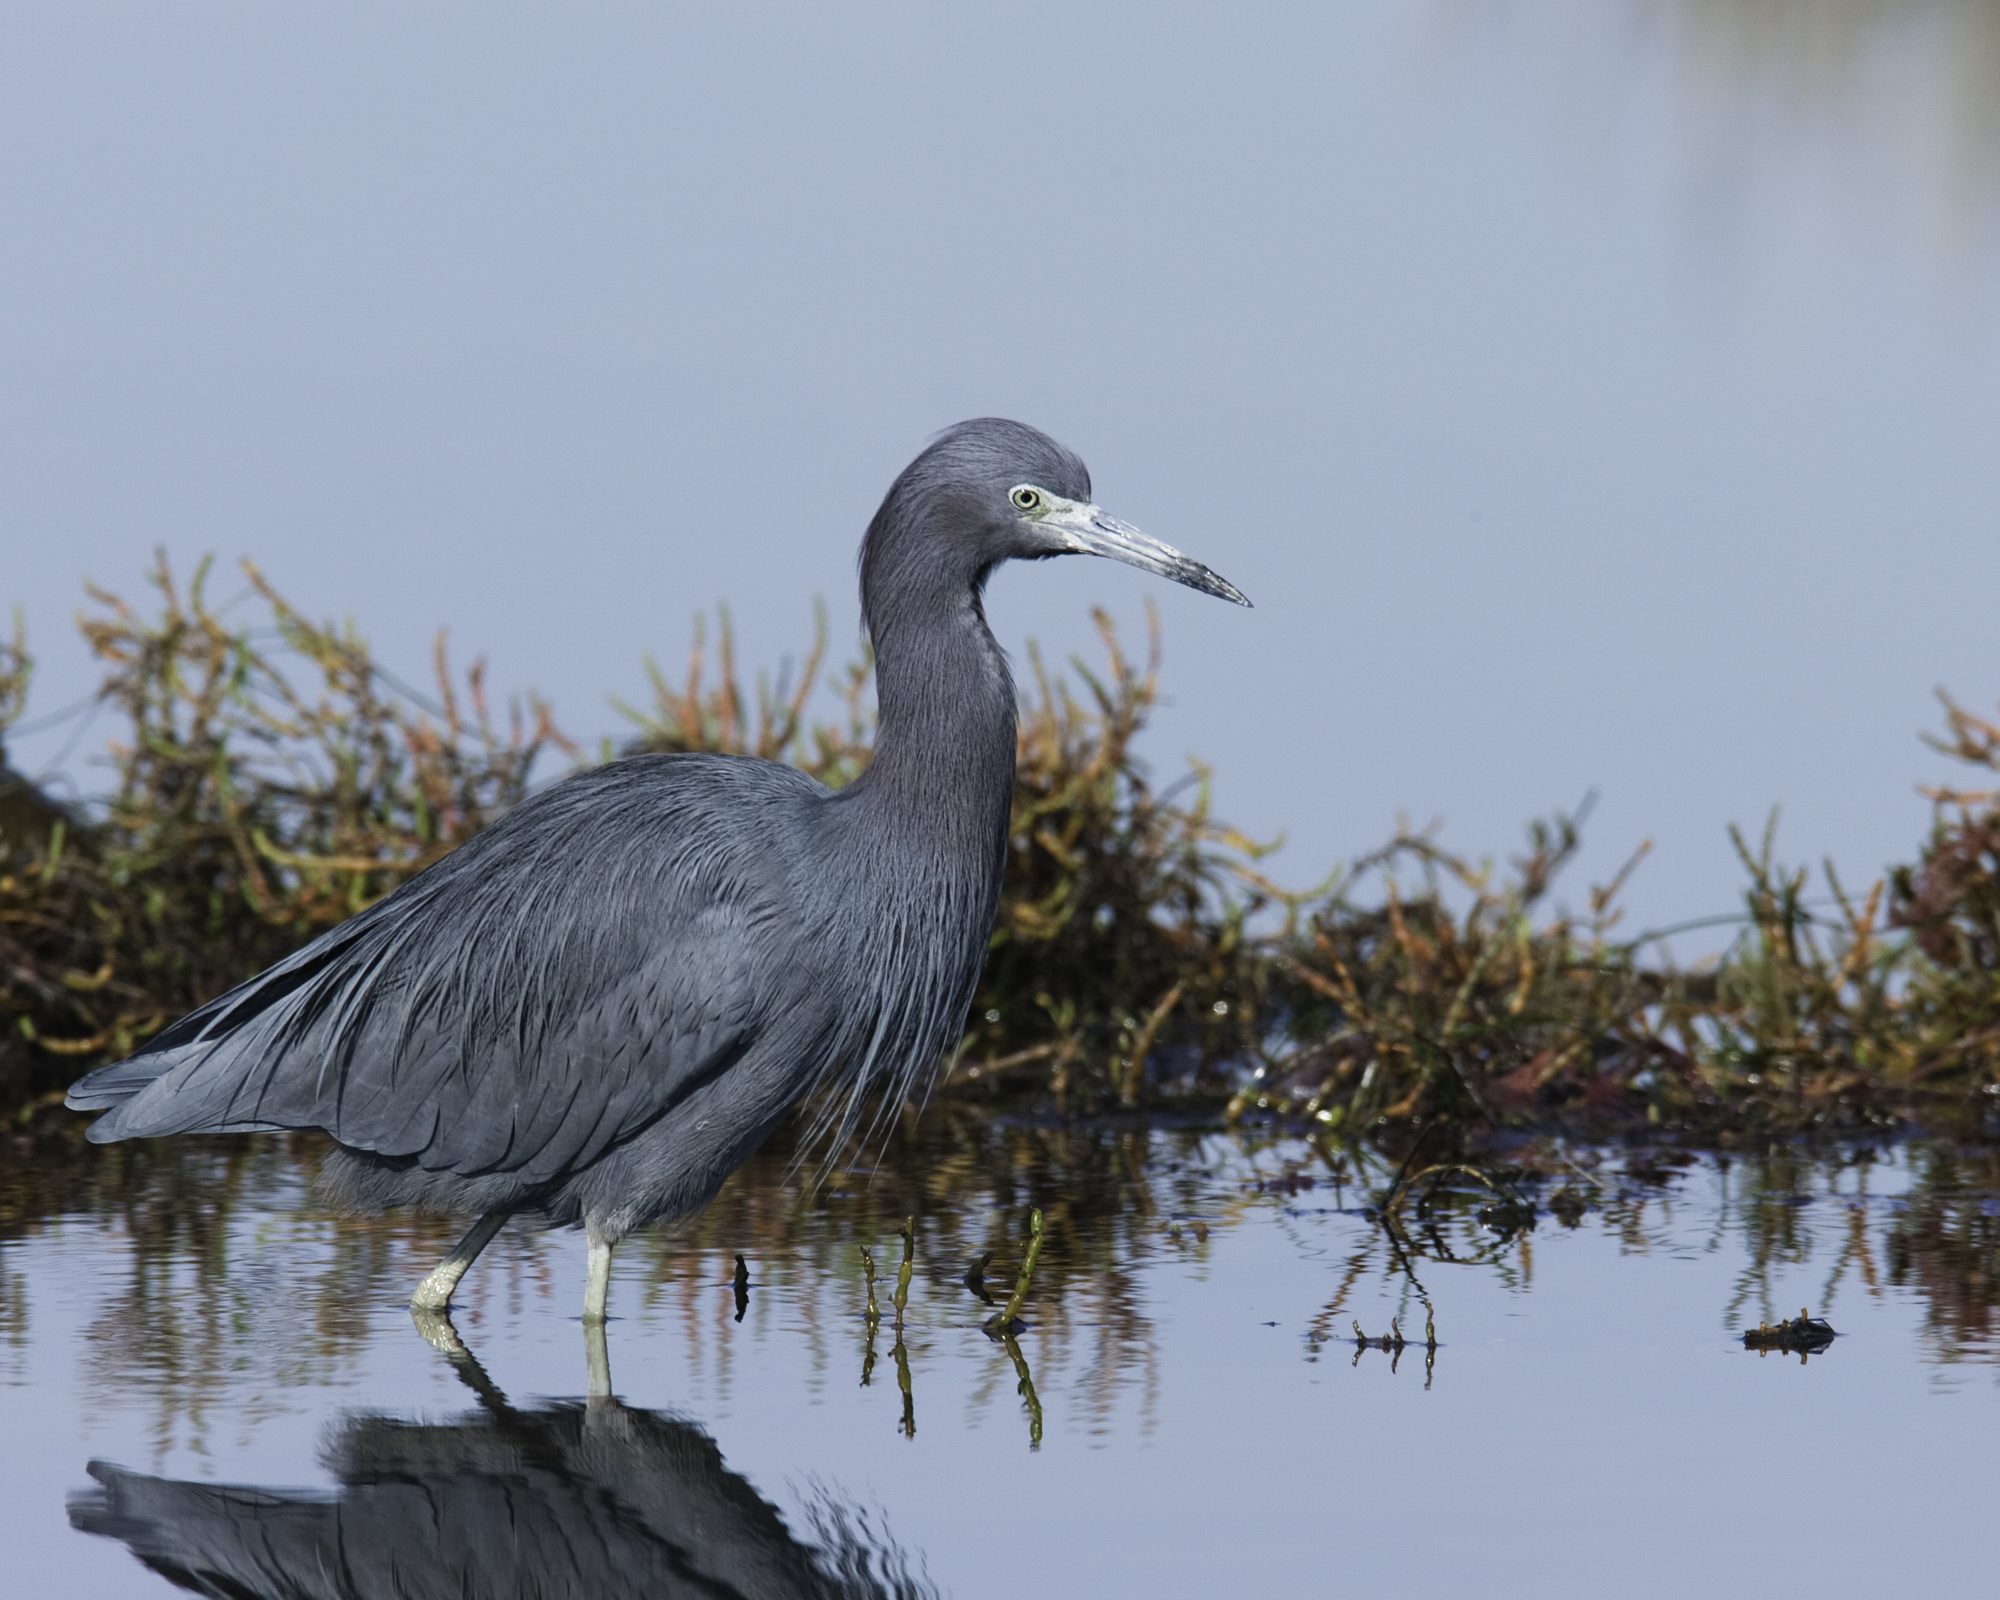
x,y
597,1275
597,1360
597,1281
434,1293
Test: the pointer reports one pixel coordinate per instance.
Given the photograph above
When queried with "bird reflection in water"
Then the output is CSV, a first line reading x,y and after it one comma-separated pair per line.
x,y
593,1498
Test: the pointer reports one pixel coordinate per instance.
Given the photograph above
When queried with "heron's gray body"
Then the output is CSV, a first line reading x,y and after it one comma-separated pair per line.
x,y
599,1007
602,1006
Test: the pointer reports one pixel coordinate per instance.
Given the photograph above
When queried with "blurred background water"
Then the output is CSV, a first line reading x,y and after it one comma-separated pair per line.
x,y
1591,395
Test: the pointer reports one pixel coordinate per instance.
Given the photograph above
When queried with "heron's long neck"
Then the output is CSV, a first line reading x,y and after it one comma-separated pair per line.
x,y
944,751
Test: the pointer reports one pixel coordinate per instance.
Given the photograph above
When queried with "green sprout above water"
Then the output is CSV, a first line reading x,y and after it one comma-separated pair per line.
x,y
1007,1322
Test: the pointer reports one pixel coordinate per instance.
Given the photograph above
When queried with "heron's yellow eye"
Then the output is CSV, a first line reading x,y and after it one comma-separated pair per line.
x,y
1027,499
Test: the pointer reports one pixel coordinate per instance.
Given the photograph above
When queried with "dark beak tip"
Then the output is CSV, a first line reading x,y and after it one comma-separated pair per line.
x,y
1214,583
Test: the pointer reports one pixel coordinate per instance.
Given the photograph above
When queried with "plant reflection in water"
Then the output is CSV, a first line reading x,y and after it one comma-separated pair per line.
x,y
593,1498
193,1234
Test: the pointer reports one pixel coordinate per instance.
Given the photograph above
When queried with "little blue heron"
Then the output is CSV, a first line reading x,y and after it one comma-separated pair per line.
x,y
599,1007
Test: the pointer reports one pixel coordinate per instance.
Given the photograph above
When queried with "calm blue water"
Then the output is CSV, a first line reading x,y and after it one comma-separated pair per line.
x,y
1590,1422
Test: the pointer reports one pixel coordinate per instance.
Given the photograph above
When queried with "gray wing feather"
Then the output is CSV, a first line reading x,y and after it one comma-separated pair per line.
x,y
545,991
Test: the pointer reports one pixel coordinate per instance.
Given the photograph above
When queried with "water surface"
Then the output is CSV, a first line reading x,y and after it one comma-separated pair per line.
x,y
199,1365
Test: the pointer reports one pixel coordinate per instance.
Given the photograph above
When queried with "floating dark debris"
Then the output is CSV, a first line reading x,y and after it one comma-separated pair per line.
x,y
1394,1338
1506,1216
1568,1205
1803,1333
1395,1343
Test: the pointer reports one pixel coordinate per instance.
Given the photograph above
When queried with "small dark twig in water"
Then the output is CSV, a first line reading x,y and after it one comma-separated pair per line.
x,y
1513,1207
741,1284
1392,1340
975,1277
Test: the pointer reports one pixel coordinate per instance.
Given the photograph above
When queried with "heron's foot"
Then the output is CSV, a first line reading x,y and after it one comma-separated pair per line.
x,y
433,1296
435,1325
434,1293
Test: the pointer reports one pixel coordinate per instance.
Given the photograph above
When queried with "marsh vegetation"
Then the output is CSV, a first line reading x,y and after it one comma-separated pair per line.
x,y
270,780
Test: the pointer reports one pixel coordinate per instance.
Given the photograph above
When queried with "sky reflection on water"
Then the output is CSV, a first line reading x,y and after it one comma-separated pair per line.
x,y
1591,1420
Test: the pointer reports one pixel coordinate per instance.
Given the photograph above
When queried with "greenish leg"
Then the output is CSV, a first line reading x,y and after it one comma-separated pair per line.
x,y
434,1293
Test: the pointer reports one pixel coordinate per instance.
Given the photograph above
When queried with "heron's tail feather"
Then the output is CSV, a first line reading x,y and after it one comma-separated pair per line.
x,y
114,1085
109,1088
238,1024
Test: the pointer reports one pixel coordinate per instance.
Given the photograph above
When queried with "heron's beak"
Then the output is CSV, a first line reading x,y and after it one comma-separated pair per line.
x,y
1089,531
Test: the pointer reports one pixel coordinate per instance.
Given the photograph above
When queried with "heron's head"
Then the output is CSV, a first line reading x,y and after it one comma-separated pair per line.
x,y
990,490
